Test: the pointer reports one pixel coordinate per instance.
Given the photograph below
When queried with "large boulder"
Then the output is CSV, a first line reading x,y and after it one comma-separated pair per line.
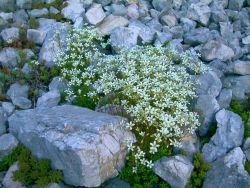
x,y
228,172
175,170
239,67
229,134
197,36
87,146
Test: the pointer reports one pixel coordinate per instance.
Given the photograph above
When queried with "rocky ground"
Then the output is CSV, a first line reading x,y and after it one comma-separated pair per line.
x,y
91,154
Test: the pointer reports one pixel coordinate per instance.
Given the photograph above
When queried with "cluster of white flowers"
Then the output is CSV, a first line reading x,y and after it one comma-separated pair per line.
x,y
152,84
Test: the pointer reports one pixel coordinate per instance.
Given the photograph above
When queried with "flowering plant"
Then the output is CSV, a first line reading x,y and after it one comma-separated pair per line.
x,y
152,84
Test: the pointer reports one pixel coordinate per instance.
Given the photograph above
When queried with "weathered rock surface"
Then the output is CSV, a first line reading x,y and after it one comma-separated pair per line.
x,y
240,86
229,134
10,35
225,98
8,180
9,57
111,22
206,106
7,143
87,146
228,172
73,10
239,67
215,49
55,40
95,14
49,99
2,122
175,170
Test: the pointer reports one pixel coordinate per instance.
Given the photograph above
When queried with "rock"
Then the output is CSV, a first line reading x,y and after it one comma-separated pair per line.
x,y
9,57
145,33
19,94
53,10
197,36
246,40
207,106
17,90
240,86
169,20
104,2
22,102
7,5
36,36
225,98
7,16
162,4
57,84
175,170
95,14
8,180
49,99
228,172
79,23
55,40
188,144
229,134
111,22
199,12
2,122
8,108
20,18
133,11
10,35
36,13
115,183
175,44
209,84
87,146
124,37
218,67
187,24
239,67
7,143
216,49
73,10
162,38
218,14
235,4
118,10
24,4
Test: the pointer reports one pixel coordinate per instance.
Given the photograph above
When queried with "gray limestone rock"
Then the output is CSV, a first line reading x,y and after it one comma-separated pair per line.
x,y
229,134
49,99
175,170
7,143
95,14
10,35
89,147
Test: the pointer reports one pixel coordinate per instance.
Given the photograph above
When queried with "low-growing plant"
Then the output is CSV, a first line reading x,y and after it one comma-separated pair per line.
x,y
58,4
33,23
247,166
152,84
199,172
33,171
243,109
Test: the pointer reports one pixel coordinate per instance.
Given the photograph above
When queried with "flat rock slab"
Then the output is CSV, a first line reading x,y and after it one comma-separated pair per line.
x,y
87,146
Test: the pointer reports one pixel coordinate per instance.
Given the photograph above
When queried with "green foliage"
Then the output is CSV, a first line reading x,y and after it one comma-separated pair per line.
x,y
33,23
199,172
247,166
31,170
243,109
144,177
205,139
58,4
8,160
